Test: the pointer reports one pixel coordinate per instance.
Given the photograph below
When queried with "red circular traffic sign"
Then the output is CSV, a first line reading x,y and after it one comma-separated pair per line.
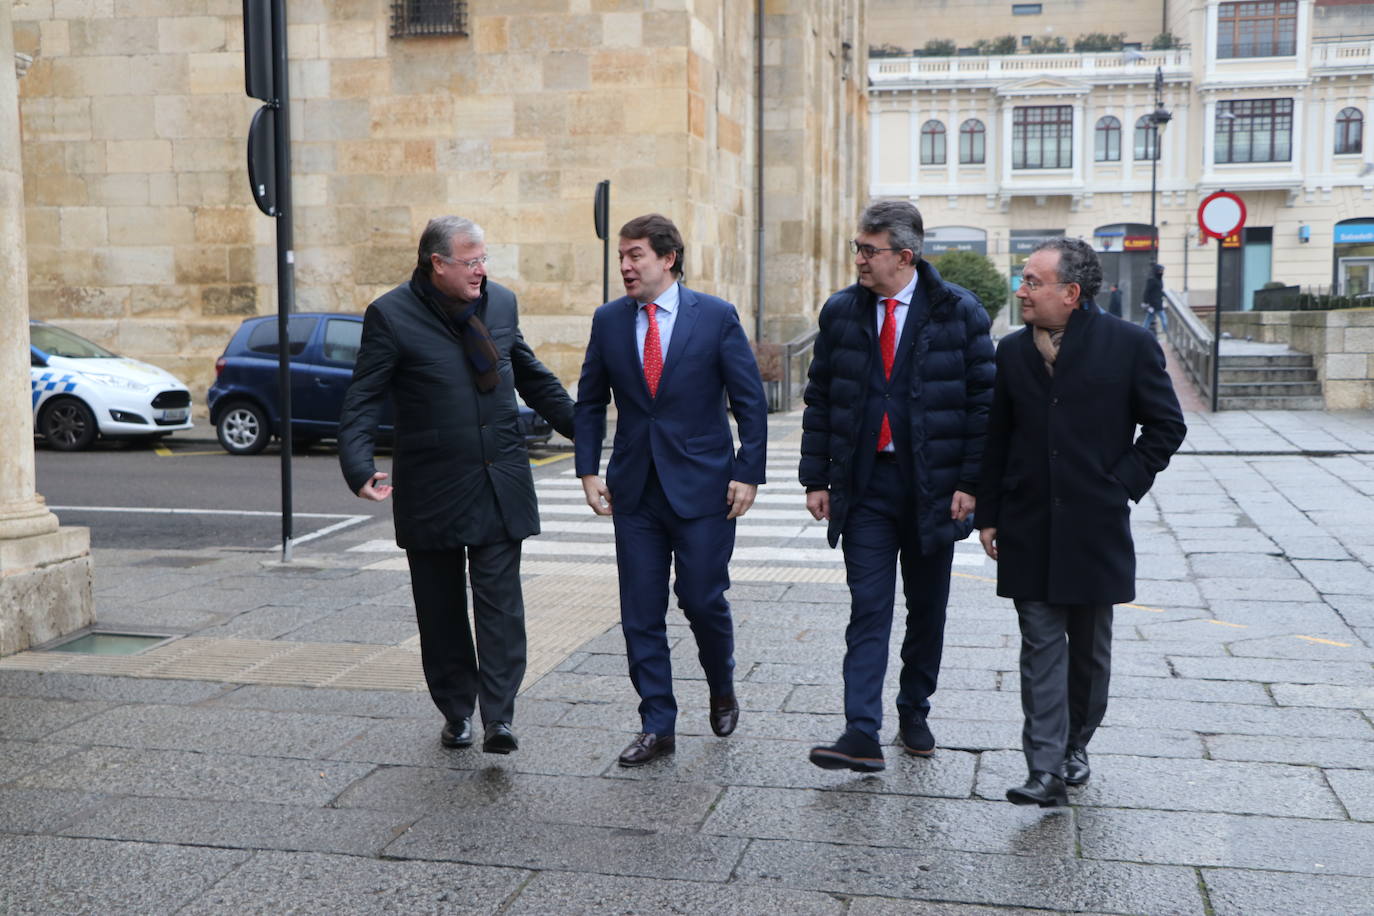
x,y
1221,214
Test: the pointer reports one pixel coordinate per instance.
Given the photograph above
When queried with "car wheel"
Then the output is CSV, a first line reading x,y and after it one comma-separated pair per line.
x,y
68,425
243,429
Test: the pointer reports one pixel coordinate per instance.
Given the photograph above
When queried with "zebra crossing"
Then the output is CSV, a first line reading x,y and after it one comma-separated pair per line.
x,y
777,540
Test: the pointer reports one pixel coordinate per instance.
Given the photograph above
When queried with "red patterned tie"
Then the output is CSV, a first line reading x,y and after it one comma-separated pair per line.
x,y
887,345
653,352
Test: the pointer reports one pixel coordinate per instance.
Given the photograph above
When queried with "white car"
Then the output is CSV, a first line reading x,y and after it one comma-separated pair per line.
x,y
81,390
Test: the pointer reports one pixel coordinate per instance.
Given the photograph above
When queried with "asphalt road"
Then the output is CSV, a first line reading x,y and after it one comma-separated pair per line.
x,y
189,494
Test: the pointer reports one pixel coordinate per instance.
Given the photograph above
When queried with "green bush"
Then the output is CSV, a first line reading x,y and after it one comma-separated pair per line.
x,y
886,51
938,47
1049,44
1099,41
1004,45
1164,41
976,273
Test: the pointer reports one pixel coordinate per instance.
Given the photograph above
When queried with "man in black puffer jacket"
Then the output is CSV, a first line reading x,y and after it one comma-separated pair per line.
x,y
892,437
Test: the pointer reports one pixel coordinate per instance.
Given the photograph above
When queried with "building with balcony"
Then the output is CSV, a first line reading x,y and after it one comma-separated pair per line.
x,y
1269,99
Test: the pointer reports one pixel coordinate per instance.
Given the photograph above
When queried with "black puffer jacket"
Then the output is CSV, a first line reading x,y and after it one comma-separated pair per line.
x,y
951,391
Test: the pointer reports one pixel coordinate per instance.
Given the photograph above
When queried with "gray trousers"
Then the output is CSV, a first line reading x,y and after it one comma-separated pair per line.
x,y
1066,663
460,679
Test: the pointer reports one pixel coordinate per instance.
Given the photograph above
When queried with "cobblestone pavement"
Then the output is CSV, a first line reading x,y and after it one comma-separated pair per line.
x,y
281,755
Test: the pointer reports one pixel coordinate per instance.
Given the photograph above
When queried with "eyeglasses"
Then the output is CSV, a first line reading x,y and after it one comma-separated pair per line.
x,y
1033,284
867,251
472,264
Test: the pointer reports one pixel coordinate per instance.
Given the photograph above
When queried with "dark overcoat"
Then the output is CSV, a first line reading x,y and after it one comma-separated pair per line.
x,y
1063,458
460,467
950,390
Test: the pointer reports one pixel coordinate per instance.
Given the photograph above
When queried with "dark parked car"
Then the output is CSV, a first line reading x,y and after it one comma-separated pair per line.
x,y
323,347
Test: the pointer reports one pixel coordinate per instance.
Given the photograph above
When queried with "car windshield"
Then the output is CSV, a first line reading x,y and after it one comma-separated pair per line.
x,y
57,342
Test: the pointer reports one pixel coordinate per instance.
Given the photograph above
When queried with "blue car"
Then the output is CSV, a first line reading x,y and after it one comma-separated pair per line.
x,y
323,347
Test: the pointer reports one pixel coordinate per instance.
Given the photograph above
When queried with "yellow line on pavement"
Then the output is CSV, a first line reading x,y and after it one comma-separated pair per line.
x,y
1324,642
163,452
1223,623
1144,607
538,462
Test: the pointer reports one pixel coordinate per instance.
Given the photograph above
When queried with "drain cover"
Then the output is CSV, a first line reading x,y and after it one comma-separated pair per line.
x,y
175,562
110,643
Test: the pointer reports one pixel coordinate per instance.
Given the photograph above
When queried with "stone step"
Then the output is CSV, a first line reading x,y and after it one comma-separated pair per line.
x,y
1265,362
1266,403
1278,374
1271,389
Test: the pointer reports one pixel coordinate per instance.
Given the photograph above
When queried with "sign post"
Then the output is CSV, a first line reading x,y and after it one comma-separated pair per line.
x,y
1220,215
269,177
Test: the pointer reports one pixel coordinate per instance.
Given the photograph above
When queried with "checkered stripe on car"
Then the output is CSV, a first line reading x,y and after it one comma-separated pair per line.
x,y
50,381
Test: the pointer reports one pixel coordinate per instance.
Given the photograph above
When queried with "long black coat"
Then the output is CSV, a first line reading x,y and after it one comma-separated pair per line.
x,y
456,447
1060,462
951,388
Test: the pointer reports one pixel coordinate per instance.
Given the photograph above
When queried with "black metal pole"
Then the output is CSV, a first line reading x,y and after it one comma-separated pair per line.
x,y
286,258
1216,336
760,264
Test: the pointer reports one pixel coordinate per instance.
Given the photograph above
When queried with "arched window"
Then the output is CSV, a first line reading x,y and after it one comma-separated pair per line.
x,y
1107,139
1146,139
1350,131
972,137
932,143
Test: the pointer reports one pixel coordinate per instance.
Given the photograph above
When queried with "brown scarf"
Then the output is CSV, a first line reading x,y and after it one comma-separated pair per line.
x,y
1047,341
462,317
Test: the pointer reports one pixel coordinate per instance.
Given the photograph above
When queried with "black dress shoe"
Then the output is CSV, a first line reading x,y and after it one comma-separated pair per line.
x,y
1043,789
916,738
724,714
457,733
1076,769
646,747
499,739
854,751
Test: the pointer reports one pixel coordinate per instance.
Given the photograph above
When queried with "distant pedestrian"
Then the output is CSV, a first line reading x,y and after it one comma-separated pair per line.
x,y
1153,301
896,404
1114,302
446,349
673,358
1059,467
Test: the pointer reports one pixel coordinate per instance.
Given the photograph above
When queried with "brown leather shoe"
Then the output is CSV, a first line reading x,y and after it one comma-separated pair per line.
x,y
724,714
646,747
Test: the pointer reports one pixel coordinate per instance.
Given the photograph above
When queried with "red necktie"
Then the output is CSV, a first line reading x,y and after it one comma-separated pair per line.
x,y
887,346
653,352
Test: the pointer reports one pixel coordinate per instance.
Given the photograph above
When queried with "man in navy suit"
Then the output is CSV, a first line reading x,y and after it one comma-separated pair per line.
x,y
674,484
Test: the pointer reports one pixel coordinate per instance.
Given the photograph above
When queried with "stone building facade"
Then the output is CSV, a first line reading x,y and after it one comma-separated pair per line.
x,y
1272,101
142,233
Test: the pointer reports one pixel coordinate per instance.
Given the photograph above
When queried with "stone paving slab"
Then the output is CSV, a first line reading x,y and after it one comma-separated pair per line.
x,y
1048,883
42,810
1317,752
1269,843
312,884
46,875
1355,789
1182,785
1244,893
590,895
644,850
241,825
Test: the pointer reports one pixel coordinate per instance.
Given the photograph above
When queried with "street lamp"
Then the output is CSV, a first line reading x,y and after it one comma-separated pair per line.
x,y
1158,118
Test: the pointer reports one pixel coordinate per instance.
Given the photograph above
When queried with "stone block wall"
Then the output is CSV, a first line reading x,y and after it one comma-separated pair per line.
x,y
1341,343
142,233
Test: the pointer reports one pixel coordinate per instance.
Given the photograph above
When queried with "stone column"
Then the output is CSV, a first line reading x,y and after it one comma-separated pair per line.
x,y
45,570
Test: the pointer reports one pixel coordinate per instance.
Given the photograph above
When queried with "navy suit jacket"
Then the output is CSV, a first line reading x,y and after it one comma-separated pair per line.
x,y
683,432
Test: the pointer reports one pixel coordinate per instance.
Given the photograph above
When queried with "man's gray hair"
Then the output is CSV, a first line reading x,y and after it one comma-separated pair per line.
x,y
900,220
1078,263
439,235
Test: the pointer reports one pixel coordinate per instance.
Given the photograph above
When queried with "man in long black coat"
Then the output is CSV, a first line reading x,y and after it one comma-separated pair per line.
x,y
1061,461
896,404
447,348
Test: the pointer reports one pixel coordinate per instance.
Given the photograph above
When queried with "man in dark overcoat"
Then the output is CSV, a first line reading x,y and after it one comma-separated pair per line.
x,y
446,348
1062,459
896,404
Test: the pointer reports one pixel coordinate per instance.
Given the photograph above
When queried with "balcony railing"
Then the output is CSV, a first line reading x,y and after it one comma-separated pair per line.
x,y
896,71
1343,55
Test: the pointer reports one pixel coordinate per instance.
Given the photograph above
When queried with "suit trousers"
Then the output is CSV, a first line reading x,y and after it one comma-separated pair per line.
x,y
458,678
879,533
646,541
1066,664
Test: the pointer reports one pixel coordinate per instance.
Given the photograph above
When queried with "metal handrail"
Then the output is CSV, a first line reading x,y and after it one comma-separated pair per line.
x,y
1192,343
793,382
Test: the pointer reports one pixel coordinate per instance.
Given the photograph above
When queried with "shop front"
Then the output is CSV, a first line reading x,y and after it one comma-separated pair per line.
x,y
1126,251
1353,251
